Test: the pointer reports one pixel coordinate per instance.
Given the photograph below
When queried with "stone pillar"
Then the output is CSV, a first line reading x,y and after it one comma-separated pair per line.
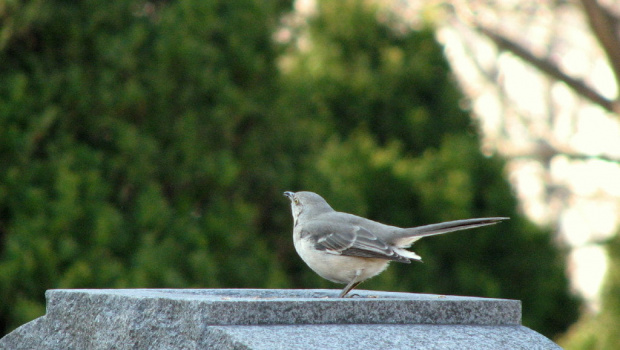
x,y
272,319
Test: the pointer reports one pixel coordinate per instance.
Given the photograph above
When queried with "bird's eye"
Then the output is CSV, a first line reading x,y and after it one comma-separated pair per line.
x,y
296,201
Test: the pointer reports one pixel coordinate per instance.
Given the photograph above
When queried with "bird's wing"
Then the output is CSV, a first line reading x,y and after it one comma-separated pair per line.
x,y
353,240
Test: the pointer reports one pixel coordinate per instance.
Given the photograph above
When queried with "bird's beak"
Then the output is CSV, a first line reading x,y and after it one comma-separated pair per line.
x,y
289,194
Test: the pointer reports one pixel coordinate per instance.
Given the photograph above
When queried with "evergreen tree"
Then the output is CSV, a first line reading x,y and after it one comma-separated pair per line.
x,y
126,149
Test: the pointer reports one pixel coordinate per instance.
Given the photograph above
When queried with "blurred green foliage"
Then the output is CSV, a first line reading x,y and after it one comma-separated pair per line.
x,y
147,144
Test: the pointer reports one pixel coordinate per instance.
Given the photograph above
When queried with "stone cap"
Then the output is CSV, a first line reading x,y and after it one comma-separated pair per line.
x,y
281,306
263,319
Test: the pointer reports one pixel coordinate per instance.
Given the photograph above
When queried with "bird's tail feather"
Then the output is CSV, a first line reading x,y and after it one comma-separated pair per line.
x,y
410,235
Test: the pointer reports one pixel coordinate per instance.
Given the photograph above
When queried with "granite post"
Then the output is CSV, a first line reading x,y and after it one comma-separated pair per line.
x,y
272,319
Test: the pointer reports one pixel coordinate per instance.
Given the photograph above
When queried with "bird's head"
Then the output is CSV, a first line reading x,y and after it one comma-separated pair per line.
x,y
308,204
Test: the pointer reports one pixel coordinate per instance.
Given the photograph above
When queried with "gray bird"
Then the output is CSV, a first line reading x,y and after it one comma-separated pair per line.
x,y
349,249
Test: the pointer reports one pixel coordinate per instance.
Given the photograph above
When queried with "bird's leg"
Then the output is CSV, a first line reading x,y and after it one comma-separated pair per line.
x,y
354,283
348,288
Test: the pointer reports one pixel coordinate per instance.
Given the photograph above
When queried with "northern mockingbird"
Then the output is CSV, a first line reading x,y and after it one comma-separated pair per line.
x,y
349,249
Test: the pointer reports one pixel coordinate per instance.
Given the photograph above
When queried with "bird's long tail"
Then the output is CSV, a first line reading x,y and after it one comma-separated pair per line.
x,y
410,235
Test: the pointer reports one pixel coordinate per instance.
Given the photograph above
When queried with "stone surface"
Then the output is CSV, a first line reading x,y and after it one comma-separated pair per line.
x,y
272,319
380,336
